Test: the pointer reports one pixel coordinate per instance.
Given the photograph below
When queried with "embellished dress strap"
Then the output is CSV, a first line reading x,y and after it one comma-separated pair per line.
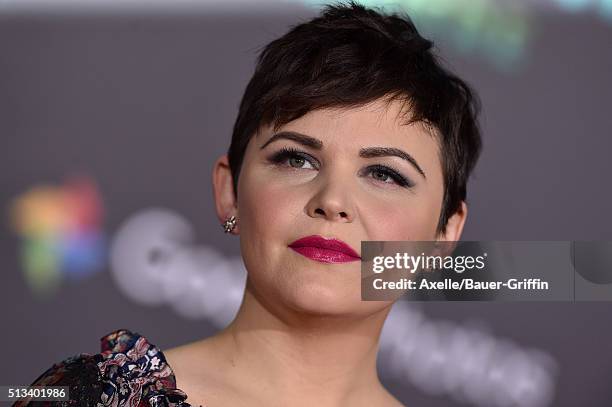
x,y
135,373
129,372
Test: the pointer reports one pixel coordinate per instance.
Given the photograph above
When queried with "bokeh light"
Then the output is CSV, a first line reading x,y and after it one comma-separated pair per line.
x,y
60,232
498,30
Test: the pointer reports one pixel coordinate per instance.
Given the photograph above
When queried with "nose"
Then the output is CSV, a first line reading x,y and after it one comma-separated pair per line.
x,y
332,202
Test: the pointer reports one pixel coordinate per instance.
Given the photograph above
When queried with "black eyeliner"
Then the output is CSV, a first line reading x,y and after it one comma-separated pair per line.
x,y
393,173
289,152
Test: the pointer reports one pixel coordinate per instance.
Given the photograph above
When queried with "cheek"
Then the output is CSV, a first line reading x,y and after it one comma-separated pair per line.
x,y
411,218
266,208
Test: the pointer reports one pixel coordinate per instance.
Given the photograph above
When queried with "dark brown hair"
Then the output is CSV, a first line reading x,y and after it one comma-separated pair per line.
x,y
349,56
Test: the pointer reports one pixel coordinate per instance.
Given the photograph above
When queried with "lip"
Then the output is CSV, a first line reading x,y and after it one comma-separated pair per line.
x,y
325,250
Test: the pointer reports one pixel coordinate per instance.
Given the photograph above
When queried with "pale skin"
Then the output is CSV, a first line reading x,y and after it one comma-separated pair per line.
x,y
302,336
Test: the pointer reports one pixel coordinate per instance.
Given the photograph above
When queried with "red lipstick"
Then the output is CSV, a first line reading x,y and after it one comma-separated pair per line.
x,y
325,250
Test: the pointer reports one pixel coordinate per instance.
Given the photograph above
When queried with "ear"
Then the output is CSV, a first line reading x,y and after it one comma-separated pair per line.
x,y
223,191
454,226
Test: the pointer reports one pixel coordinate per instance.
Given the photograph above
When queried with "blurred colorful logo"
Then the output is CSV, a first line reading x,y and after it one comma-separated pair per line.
x,y
60,231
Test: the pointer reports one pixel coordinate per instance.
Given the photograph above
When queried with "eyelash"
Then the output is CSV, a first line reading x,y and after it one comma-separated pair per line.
x,y
288,152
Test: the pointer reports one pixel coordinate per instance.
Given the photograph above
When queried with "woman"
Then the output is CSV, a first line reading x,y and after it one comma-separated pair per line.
x,y
348,131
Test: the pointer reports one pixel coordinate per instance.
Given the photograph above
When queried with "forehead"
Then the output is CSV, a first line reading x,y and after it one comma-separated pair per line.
x,y
379,120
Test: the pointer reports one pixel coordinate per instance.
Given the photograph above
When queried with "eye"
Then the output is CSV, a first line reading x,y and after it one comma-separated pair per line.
x,y
380,175
297,161
290,157
388,175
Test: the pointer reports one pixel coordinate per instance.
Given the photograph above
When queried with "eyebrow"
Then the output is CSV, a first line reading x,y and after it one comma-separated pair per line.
x,y
366,152
297,137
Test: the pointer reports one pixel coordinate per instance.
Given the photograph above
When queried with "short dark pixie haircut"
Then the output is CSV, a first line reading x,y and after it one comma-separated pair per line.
x,y
347,57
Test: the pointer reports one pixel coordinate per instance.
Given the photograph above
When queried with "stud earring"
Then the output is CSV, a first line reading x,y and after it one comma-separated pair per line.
x,y
229,224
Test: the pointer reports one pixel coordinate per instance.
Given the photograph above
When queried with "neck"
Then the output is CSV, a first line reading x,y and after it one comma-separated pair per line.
x,y
323,360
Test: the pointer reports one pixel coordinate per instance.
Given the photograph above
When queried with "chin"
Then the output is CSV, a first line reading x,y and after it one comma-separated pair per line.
x,y
308,287
317,300
329,300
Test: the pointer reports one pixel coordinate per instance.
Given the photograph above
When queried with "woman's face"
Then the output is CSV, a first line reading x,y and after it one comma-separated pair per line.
x,y
342,185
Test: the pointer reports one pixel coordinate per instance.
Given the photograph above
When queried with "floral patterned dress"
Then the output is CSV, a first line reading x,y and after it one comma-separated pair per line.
x,y
129,372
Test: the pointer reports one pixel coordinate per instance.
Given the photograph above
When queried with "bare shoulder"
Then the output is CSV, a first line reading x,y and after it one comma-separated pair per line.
x,y
198,370
180,352
388,400
191,359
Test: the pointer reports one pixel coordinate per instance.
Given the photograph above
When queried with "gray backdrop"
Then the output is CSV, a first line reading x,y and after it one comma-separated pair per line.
x,y
146,103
